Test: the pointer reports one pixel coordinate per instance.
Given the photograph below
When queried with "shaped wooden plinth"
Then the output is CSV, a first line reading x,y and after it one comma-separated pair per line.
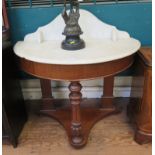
x,y
78,119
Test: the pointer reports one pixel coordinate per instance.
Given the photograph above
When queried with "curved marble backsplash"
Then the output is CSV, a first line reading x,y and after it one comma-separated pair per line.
x,y
92,27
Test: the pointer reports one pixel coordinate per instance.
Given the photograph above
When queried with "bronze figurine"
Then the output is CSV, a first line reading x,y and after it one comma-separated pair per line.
x,y
72,30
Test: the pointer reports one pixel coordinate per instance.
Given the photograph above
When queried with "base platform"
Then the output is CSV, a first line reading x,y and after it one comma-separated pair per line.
x,y
90,111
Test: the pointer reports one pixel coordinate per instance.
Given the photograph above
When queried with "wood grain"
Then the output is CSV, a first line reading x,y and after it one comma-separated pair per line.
x,y
140,107
107,97
75,72
47,98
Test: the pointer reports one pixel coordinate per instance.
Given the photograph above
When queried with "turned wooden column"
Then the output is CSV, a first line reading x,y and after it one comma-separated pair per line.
x,y
107,98
75,97
47,98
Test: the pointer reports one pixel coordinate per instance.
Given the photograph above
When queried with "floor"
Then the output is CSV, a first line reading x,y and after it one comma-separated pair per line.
x,y
44,136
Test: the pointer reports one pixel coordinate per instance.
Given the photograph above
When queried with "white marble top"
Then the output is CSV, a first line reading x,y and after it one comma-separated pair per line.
x,y
103,43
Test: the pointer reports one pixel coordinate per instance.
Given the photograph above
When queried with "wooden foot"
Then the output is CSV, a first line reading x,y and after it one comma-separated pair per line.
x,y
143,132
142,137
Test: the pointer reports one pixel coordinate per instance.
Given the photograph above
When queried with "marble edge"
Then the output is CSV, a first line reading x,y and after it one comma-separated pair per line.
x,y
79,63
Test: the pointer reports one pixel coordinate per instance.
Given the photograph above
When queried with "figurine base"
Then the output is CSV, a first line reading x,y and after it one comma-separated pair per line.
x,y
73,44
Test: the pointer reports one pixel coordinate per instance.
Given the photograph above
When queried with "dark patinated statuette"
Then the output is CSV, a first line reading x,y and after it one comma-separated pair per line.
x,y
72,30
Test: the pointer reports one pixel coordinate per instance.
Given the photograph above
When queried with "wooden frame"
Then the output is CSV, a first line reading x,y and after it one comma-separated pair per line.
x,y
77,117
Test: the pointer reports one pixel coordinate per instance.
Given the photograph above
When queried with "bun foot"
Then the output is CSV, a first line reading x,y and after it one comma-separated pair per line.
x,y
77,140
142,137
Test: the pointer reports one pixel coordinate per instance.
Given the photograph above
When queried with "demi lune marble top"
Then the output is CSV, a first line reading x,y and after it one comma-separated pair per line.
x,y
104,43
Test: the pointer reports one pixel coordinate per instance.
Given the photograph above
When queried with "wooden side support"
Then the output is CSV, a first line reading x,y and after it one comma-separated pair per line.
x,y
107,98
47,98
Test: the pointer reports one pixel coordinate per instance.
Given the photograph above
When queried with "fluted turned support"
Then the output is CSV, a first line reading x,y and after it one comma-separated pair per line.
x,y
75,99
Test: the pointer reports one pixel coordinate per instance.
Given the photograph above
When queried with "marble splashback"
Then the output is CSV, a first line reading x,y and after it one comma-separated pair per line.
x,y
92,27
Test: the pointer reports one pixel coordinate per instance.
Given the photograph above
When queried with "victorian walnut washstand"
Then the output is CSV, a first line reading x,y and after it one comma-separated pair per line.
x,y
108,51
